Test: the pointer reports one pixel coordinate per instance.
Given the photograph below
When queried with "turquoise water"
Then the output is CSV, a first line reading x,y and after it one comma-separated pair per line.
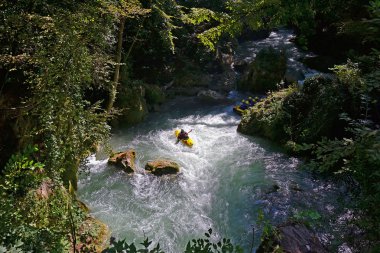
x,y
225,179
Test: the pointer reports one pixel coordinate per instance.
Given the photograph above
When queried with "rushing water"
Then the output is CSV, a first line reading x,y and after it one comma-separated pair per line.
x,y
225,179
282,40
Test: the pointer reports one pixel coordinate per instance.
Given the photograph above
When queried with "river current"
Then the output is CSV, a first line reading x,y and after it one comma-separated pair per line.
x,y
226,180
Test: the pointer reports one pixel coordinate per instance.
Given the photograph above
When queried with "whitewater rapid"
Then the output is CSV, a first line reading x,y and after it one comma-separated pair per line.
x,y
226,178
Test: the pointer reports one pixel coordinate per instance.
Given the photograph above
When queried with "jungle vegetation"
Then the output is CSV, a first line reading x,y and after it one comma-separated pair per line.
x,y
64,65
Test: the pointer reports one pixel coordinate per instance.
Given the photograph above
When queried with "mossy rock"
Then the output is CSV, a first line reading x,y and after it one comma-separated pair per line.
x,y
162,167
124,160
291,237
300,115
96,233
265,72
266,117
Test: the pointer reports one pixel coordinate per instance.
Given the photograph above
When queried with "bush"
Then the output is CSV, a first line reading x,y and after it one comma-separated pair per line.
x,y
267,117
201,245
22,172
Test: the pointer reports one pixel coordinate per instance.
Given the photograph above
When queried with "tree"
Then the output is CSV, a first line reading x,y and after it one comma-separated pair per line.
x,y
121,9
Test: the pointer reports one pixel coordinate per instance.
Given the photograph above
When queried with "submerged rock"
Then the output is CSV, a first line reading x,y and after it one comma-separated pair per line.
x,y
210,95
124,160
162,167
292,238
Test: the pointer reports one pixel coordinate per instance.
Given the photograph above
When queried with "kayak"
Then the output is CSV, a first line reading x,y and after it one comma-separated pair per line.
x,y
189,142
238,110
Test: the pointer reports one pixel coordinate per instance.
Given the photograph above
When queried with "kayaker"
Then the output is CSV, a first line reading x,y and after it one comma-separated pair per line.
x,y
183,135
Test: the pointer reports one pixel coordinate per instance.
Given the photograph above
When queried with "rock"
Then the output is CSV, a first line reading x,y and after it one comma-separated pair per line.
x,y
162,167
124,160
265,72
96,235
292,238
210,95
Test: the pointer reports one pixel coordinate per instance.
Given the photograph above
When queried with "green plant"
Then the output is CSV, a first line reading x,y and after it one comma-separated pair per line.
x,y
205,245
308,217
201,245
22,172
122,246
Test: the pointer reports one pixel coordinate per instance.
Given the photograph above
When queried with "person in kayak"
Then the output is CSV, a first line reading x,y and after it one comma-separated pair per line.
x,y
183,135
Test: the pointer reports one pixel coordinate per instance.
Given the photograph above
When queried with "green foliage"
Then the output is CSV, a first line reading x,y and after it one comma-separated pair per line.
x,y
267,116
307,217
160,10
64,49
13,248
37,222
122,246
238,15
22,172
265,225
205,245
300,115
154,95
201,245
374,8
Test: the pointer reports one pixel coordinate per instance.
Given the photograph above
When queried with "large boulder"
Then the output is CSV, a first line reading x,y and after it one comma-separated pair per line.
x,y
95,235
292,238
124,160
162,167
265,72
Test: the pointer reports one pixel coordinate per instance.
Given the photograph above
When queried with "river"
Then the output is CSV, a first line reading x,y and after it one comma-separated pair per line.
x,y
226,180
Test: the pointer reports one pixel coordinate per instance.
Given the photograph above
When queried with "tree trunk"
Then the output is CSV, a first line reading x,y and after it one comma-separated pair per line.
x,y
116,76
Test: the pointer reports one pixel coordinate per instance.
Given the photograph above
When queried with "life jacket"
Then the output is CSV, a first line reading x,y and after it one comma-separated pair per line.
x,y
183,135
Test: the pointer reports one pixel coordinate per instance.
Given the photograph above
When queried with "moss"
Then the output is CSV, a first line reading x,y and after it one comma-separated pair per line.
x,y
94,235
299,115
266,117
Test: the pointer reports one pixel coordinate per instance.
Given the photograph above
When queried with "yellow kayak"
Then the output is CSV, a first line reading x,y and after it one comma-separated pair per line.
x,y
189,142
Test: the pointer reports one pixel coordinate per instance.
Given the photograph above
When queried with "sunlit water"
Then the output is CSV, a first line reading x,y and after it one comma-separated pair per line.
x,y
225,179
282,40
